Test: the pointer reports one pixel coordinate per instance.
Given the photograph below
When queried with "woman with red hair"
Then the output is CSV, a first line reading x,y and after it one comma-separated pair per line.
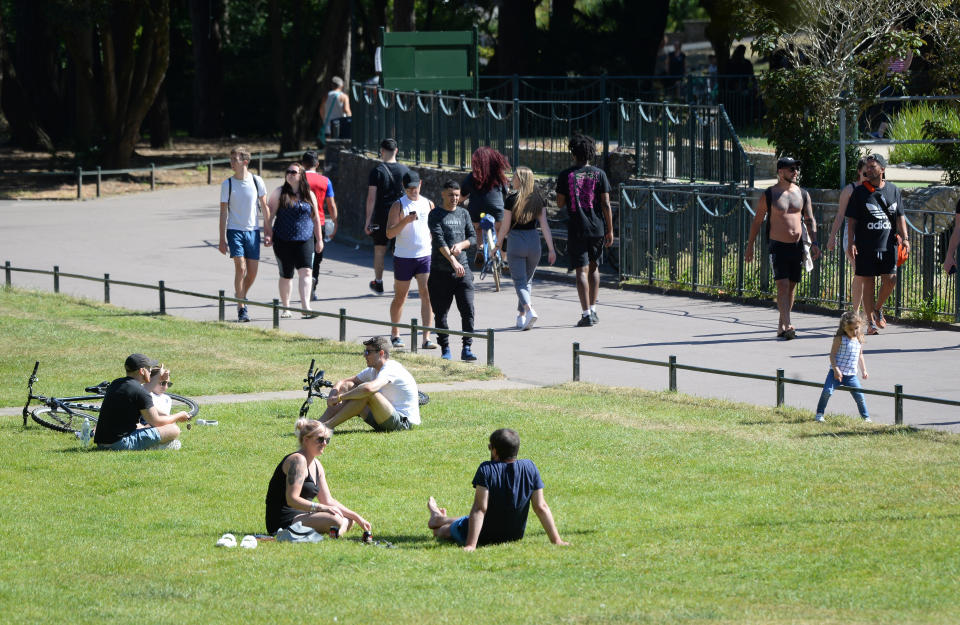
x,y
485,187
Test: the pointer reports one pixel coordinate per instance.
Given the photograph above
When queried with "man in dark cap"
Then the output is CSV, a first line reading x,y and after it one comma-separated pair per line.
x,y
124,402
789,207
385,186
873,209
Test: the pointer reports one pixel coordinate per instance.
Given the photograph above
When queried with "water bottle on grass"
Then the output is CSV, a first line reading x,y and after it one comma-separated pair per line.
x,y
85,432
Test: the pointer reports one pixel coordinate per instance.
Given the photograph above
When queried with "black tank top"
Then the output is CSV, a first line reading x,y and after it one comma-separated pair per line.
x,y
279,514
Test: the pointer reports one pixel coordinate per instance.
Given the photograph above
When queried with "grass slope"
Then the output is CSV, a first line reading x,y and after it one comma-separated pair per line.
x,y
679,510
79,343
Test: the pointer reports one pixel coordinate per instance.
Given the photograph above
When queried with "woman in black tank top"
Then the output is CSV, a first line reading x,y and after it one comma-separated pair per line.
x,y
298,479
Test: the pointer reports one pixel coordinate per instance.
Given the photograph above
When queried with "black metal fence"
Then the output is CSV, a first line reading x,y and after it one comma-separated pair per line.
x,y
739,94
664,140
690,239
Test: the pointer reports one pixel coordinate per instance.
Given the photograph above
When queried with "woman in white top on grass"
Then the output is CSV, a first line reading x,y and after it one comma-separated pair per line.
x,y
846,354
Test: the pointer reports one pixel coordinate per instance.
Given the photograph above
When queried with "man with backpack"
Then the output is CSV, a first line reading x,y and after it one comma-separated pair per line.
x,y
385,186
240,195
789,207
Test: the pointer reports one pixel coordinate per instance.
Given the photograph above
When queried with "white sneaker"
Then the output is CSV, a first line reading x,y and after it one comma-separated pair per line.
x,y
227,540
520,321
249,542
530,319
867,420
818,418
174,444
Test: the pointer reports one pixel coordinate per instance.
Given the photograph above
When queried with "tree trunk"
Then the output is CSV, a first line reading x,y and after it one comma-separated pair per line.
x,y
159,120
206,17
718,30
404,16
516,50
133,40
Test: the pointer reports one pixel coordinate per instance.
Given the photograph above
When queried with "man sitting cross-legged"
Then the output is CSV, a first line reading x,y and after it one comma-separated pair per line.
x,y
384,394
504,489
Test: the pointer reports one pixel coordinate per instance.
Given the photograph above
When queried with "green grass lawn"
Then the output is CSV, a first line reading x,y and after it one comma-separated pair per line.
x,y
679,510
86,342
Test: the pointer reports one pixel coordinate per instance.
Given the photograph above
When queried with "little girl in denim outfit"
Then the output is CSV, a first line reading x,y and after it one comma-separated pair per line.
x,y
845,355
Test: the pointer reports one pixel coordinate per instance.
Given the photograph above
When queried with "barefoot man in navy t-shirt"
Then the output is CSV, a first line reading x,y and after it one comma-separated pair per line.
x,y
504,489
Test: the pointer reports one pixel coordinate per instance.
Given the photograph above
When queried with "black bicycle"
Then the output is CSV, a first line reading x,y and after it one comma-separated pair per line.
x,y
66,414
314,384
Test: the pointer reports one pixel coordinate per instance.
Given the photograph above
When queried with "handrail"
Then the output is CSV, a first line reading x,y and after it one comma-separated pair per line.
x,y
897,394
414,326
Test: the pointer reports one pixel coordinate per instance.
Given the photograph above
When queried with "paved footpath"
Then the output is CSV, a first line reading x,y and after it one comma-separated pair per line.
x,y
172,235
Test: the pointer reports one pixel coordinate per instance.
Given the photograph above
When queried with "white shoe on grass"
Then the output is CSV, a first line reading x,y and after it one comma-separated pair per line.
x,y
249,542
227,540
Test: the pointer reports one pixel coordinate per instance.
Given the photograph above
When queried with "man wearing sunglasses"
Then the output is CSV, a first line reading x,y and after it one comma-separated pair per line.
x,y
789,225
125,402
384,394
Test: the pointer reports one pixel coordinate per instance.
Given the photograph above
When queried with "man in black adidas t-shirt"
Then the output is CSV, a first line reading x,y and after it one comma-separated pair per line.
x,y
385,186
874,210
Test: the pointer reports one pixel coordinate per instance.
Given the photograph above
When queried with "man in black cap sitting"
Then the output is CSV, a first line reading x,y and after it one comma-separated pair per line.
x,y
124,402
789,207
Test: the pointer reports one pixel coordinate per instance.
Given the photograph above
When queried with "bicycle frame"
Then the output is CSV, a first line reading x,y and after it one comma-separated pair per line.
x,y
314,382
65,404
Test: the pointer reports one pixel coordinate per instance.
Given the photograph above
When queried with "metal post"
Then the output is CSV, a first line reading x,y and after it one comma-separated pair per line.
x,y
106,288
692,124
673,373
413,335
153,177
56,278
898,404
741,244
576,362
276,314
343,325
6,270
489,347
843,145
163,298
79,183
210,171
98,181
516,124
220,307
605,124
779,387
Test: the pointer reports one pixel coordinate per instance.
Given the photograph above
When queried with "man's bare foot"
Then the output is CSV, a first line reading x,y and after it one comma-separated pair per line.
x,y
437,514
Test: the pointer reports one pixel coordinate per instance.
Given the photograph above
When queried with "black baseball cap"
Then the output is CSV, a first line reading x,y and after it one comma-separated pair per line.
x,y
388,144
411,179
787,161
878,158
135,362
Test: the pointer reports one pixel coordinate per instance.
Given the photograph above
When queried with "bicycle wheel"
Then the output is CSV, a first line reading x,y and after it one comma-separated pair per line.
x,y
181,403
61,421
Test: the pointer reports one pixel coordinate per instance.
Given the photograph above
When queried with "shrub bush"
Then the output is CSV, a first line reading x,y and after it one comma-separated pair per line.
x,y
909,122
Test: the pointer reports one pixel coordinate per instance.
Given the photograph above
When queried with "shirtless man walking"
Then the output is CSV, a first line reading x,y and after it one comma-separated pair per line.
x,y
789,206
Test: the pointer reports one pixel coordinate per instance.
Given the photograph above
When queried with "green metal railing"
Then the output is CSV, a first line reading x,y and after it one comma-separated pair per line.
x,y
780,379
681,141
162,291
696,240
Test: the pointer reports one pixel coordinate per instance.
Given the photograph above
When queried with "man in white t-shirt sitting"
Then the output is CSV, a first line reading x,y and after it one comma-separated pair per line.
x,y
384,394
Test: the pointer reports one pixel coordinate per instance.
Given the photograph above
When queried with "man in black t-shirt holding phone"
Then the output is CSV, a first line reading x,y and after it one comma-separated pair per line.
x,y
384,187
875,208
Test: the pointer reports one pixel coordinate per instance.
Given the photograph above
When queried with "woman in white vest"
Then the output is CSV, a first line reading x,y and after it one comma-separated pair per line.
x,y
407,223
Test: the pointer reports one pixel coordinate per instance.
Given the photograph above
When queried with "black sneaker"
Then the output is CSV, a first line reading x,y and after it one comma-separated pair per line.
x,y
467,354
594,318
242,315
585,322
376,286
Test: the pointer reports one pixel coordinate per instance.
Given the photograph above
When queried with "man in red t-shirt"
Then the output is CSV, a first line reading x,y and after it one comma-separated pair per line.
x,y
323,189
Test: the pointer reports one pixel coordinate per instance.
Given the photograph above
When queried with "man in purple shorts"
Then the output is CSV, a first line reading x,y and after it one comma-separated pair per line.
x,y
408,224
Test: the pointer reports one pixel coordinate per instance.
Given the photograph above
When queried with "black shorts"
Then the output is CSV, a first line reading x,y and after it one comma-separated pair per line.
x,y
584,250
378,223
871,264
293,255
495,211
786,260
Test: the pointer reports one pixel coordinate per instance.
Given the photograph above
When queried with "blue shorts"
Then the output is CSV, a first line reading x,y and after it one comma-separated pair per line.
x,y
244,243
144,438
458,530
405,269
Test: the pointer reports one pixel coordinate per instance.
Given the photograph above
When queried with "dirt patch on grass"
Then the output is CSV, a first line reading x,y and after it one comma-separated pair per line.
x,y
29,175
